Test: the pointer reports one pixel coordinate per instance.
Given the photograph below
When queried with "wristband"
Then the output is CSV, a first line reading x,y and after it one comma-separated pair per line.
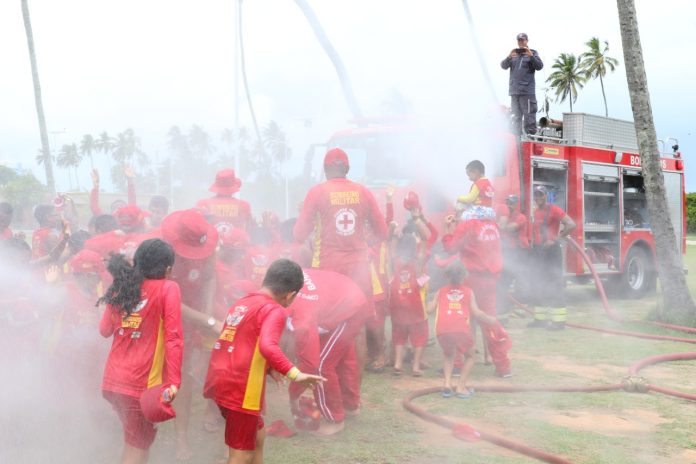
x,y
292,373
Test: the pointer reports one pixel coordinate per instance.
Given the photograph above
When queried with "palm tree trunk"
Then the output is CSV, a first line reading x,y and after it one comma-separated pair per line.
x,y
45,148
606,108
678,306
333,56
570,98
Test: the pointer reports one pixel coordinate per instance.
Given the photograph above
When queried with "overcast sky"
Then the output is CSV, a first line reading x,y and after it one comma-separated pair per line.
x,y
110,65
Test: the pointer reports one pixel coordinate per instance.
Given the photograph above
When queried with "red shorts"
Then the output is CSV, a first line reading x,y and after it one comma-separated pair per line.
x,y
138,432
455,343
241,429
418,333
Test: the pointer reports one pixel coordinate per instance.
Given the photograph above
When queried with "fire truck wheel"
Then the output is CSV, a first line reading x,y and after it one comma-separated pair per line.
x,y
639,275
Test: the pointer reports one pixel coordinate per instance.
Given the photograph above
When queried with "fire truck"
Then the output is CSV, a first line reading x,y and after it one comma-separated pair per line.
x,y
591,168
589,164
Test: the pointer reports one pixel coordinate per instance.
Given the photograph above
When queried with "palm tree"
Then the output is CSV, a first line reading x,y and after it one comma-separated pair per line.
x,y
178,143
678,306
88,146
277,143
70,157
567,78
126,146
45,149
200,142
595,62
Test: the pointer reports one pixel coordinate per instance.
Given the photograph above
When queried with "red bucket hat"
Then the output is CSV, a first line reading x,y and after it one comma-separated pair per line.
x,y
87,261
154,409
226,182
130,216
190,235
336,156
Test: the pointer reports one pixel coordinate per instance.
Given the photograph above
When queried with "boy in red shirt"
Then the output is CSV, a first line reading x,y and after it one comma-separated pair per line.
x,y
481,192
143,314
246,351
455,304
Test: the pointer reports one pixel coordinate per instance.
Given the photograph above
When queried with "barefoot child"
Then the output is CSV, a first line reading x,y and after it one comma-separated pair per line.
x,y
246,351
455,304
143,314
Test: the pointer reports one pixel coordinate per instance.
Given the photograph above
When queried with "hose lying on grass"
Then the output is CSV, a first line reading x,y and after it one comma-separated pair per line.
x,y
633,383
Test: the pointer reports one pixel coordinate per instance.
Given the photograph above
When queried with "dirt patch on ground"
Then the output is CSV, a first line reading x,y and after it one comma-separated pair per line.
x,y
630,422
688,455
605,372
668,375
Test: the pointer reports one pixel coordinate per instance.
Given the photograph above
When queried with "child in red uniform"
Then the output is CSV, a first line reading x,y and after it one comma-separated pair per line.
x,y
143,314
481,192
246,351
455,304
408,316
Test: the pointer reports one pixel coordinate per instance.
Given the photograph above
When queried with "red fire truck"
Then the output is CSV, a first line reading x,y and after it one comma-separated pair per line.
x,y
590,166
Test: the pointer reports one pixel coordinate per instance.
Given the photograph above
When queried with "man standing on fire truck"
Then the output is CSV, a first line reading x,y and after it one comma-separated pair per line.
x,y
547,285
523,62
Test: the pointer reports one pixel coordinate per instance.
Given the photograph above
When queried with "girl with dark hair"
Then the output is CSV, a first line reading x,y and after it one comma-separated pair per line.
x,y
143,313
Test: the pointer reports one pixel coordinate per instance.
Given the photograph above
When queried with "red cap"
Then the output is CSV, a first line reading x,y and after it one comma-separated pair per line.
x,y
411,200
226,182
234,237
130,216
87,261
154,409
336,157
190,234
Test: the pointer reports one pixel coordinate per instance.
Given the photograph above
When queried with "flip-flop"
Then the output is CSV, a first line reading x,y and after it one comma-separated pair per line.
x,y
466,395
446,393
417,373
397,372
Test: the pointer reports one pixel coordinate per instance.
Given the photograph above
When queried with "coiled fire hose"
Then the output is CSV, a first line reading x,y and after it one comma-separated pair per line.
x,y
633,383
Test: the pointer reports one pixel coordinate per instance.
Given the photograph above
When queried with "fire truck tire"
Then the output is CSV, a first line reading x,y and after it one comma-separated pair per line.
x,y
639,276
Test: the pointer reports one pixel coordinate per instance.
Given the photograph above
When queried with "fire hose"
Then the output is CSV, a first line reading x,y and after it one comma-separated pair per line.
x,y
633,383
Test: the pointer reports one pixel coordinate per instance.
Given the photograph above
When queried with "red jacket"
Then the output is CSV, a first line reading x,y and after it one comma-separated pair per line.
x,y
148,345
226,211
244,352
326,300
337,211
478,244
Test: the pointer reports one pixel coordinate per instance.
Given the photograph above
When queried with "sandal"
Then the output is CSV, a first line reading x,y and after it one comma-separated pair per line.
x,y
397,372
417,373
446,393
466,395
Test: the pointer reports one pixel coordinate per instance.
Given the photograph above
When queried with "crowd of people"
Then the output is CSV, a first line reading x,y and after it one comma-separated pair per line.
x,y
210,296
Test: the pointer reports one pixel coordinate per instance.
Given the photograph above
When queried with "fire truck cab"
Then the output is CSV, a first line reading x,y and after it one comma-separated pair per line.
x,y
591,168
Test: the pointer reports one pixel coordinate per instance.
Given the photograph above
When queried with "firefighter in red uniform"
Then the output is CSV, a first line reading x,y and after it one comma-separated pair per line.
x,y
245,352
477,239
481,192
223,209
325,318
337,211
547,262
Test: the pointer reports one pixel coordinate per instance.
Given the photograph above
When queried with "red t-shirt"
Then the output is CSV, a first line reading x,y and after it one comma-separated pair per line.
x,y
5,233
148,345
257,261
485,192
405,302
43,240
241,357
548,218
226,211
338,211
518,238
229,288
453,310
117,241
478,244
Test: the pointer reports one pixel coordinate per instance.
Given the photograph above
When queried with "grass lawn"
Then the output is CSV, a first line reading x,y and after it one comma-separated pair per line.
x,y
615,427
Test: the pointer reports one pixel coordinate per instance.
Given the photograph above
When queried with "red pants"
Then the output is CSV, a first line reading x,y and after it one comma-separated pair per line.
x,y
338,364
484,288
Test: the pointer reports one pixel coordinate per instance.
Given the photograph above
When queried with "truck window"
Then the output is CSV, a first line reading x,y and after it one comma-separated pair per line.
x,y
635,210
